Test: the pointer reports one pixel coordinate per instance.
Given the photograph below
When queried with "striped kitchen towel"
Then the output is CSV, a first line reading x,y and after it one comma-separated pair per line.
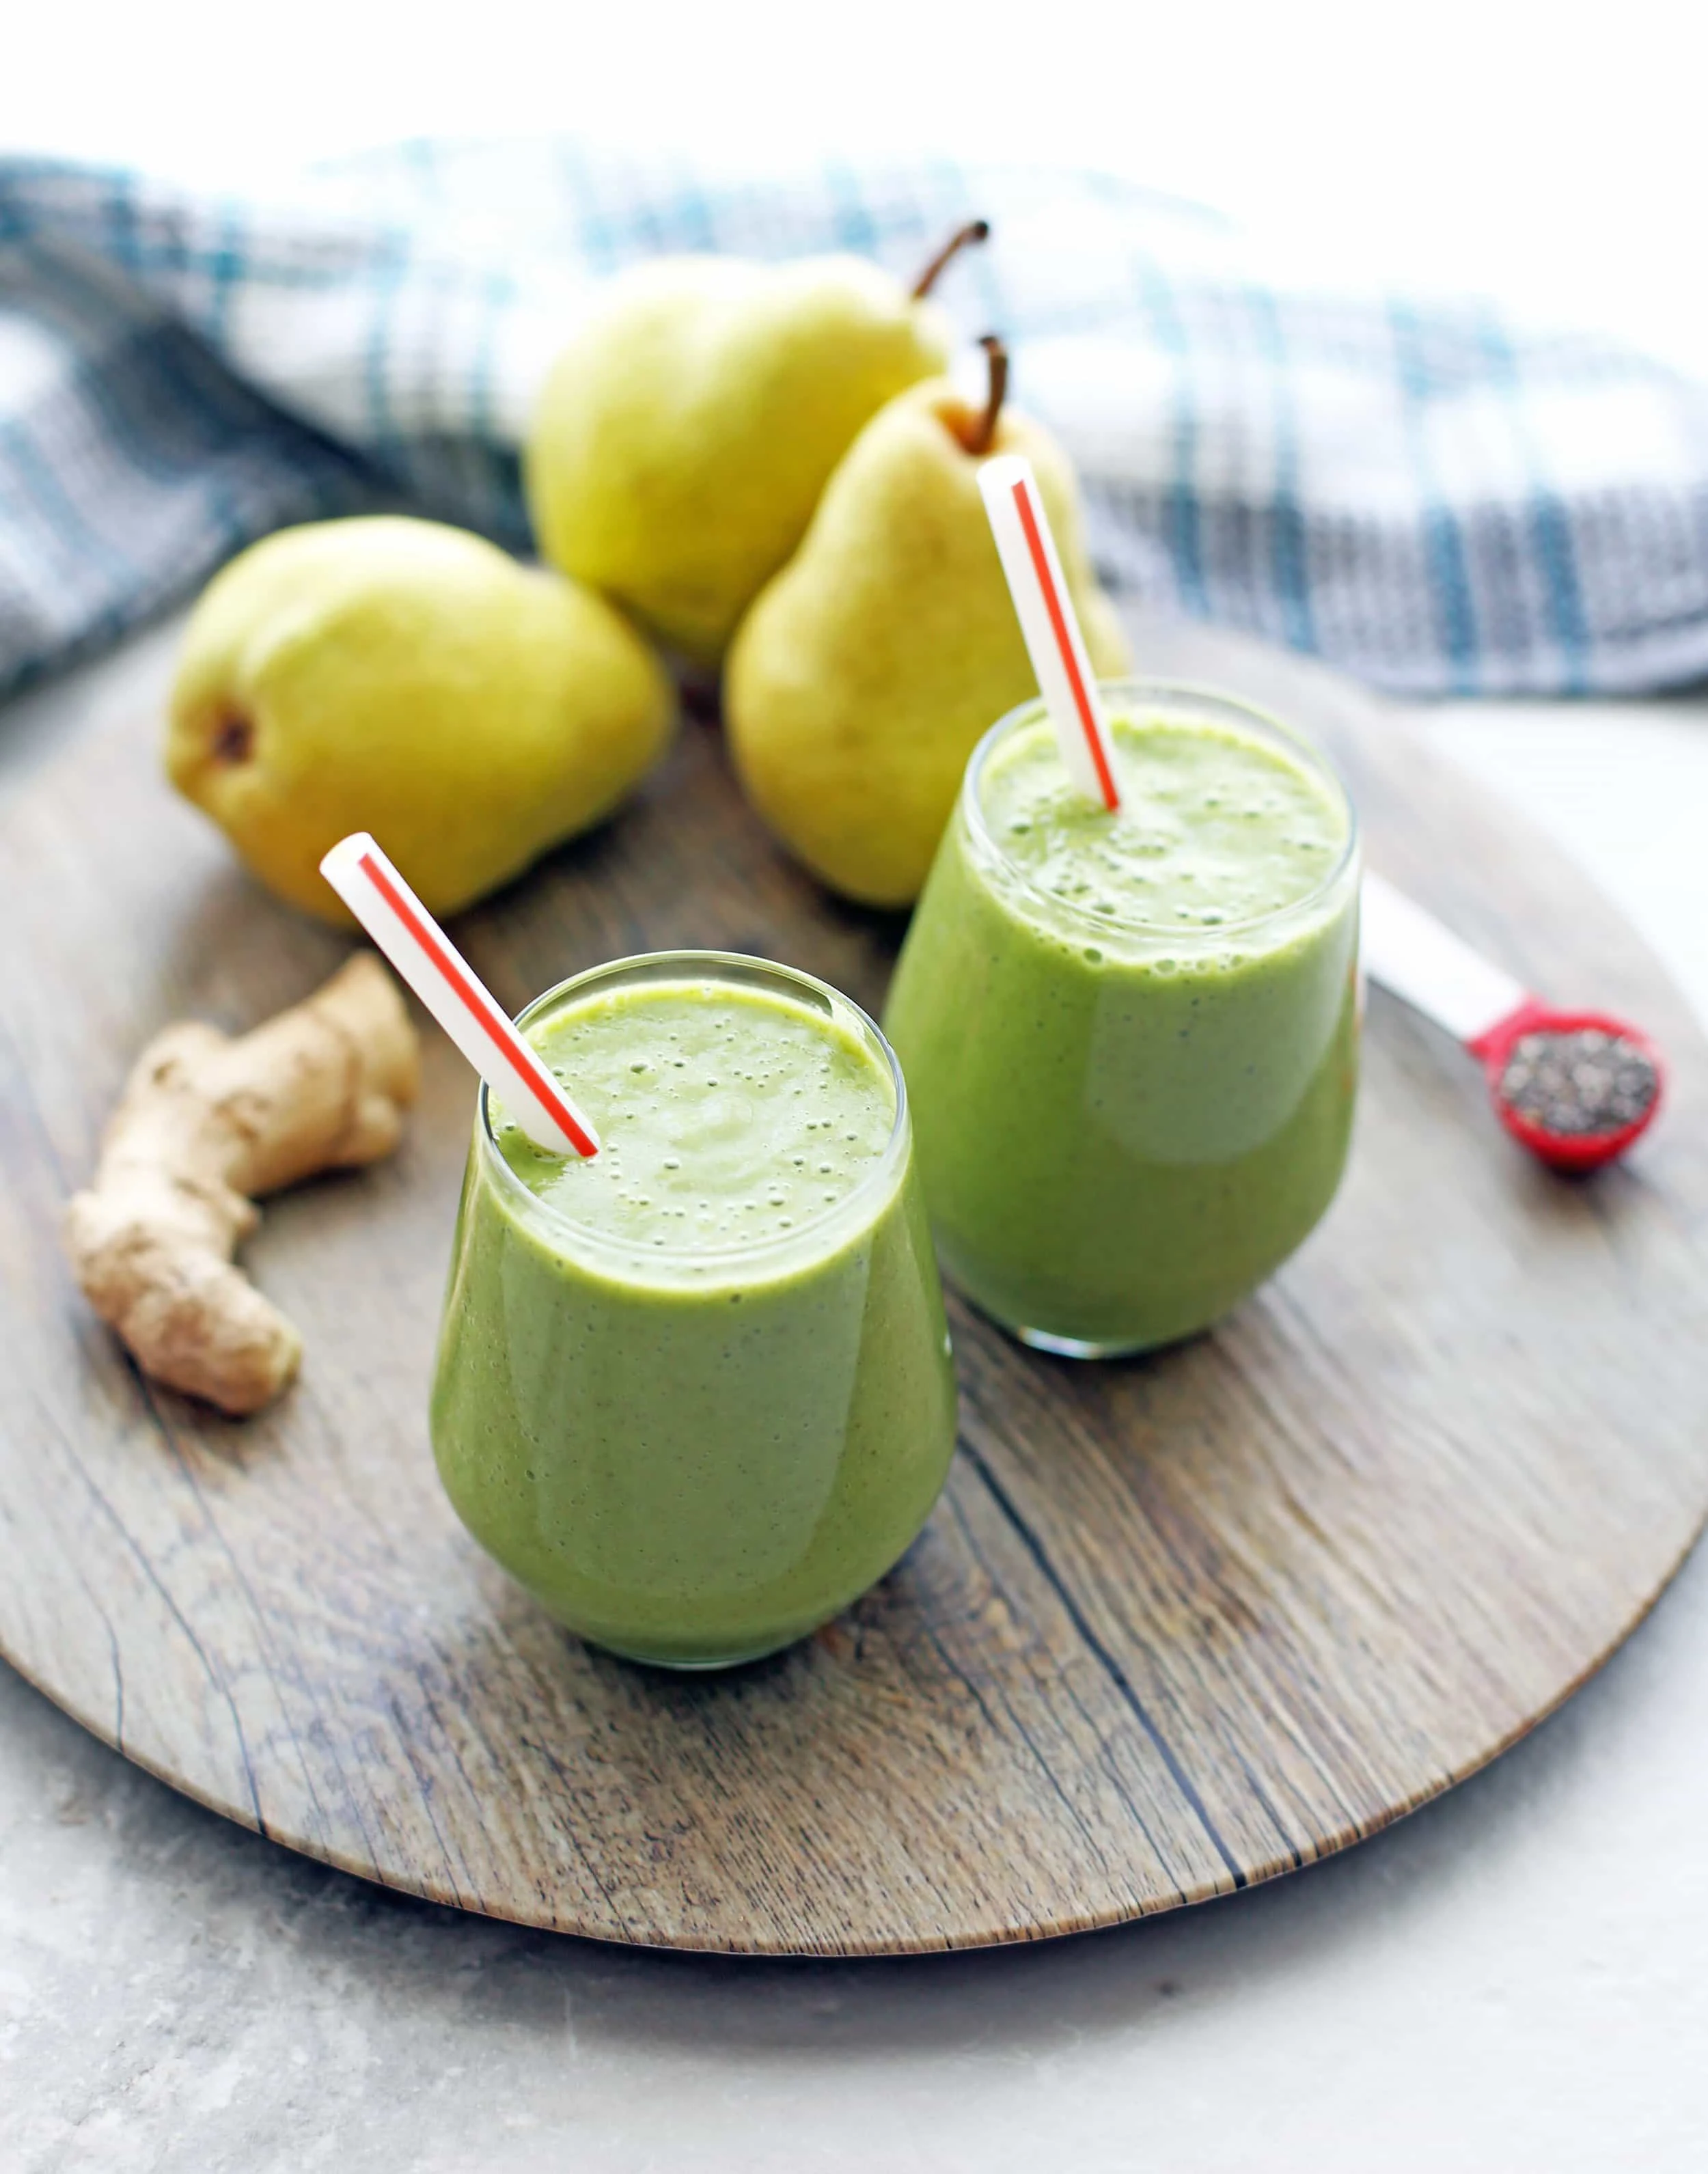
x,y
1417,491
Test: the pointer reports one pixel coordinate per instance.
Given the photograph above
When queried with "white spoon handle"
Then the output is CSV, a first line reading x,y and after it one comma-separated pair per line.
x,y
1410,952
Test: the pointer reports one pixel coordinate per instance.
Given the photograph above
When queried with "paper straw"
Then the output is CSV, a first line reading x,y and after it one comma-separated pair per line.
x,y
1048,621
446,982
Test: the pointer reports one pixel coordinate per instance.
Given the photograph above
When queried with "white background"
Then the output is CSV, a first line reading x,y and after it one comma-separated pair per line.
x,y
1549,149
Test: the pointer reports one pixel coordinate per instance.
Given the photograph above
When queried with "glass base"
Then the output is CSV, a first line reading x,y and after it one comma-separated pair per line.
x,y
699,1668
1062,1347
1073,1347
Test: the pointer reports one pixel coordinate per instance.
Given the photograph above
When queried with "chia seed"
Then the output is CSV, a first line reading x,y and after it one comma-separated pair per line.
x,y
1578,1082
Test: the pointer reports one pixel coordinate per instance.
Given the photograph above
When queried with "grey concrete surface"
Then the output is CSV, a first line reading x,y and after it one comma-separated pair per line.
x,y
1512,1981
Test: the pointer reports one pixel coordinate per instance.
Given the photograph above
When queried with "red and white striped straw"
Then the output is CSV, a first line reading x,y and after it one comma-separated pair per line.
x,y
451,990
1048,620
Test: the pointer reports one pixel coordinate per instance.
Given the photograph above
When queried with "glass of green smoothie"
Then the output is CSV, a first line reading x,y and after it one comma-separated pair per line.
x,y
695,1392
1131,1038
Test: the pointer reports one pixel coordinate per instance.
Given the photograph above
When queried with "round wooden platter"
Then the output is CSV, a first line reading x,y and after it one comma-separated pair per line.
x,y
1177,1626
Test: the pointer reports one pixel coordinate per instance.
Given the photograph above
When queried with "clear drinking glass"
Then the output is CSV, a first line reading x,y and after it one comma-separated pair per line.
x,y
1125,1124
694,1454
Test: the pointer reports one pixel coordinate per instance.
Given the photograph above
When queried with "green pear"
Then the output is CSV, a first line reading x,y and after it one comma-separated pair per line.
x,y
680,442
867,671
403,677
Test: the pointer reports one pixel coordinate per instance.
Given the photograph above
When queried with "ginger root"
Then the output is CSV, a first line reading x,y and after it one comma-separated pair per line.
x,y
205,1126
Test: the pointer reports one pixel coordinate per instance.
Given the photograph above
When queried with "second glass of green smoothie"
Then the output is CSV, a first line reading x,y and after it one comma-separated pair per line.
x,y
1130,1039
697,1394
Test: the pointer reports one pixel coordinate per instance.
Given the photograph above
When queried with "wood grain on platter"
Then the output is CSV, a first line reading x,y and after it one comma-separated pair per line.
x,y
1177,1626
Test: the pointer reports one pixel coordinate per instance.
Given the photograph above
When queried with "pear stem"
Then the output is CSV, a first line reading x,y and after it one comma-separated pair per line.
x,y
985,429
977,229
234,739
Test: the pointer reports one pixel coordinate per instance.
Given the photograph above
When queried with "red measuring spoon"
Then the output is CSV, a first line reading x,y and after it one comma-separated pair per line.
x,y
1517,1038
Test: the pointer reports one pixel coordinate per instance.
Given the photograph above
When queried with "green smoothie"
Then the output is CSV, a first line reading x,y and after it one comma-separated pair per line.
x,y
695,1393
1132,1041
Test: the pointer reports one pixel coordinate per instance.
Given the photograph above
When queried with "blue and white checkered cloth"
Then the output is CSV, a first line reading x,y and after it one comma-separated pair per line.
x,y
1415,491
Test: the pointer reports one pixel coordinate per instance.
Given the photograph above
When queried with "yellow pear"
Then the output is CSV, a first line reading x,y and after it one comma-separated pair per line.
x,y
866,672
400,677
681,441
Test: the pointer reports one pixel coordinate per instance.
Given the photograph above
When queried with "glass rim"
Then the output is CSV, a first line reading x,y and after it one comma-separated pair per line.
x,y
1130,685
734,967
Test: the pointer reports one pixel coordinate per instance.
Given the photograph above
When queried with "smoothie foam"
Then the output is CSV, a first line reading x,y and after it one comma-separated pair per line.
x,y
1219,829
735,1118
